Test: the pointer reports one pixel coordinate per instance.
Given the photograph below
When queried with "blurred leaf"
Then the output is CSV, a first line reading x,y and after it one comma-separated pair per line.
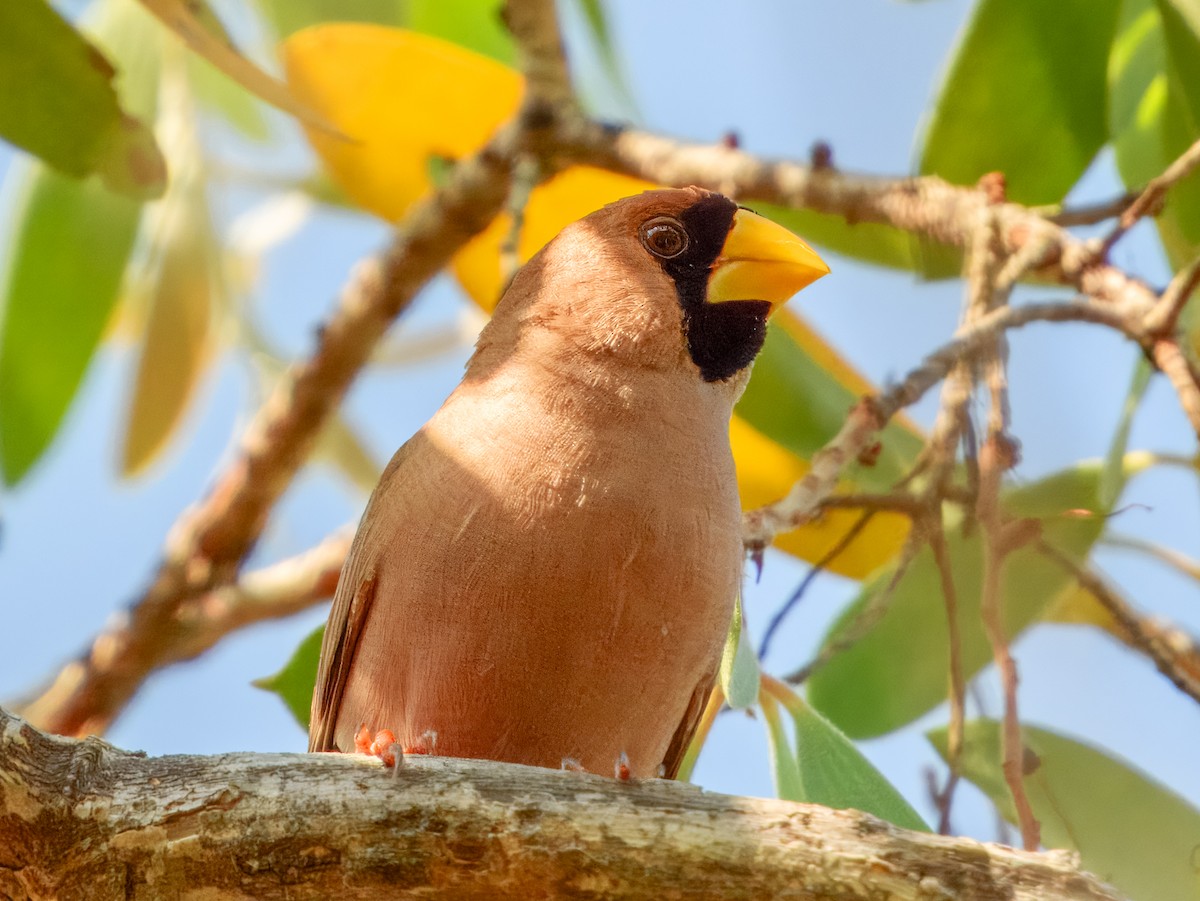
x,y
1128,829
1079,607
288,16
474,24
1150,123
1027,76
403,98
177,346
1181,27
198,27
222,95
738,675
826,767
66,110
899,669
596,19
69,244
1112,480
64,267
294,683
784,770
869,242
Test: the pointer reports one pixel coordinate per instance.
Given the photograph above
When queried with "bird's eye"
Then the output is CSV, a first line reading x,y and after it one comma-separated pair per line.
x,y
664,237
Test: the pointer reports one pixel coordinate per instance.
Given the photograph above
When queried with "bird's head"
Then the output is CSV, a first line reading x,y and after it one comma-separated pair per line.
x,y
662,279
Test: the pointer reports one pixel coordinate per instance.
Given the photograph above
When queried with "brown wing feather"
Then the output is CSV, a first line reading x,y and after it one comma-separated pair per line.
x,y
347,617
687,727
342,633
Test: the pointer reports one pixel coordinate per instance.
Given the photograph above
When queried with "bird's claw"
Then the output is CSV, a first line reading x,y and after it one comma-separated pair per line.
x,y
621,769
382,745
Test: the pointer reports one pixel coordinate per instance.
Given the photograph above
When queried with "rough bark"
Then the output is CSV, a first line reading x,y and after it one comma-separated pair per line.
x,y
82,819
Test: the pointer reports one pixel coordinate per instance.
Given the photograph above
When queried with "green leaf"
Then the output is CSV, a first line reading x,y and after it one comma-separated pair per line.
x,y
596,19
66,111
294,683
1128,829
62,268
784,770
869,242
288,16
1150,122
899,669
474,24
739,664
1112,479
826,767
1181,27
63,271
785,369
1028,76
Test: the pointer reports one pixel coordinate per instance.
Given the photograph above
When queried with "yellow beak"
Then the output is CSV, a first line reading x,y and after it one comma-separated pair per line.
x,y
762,261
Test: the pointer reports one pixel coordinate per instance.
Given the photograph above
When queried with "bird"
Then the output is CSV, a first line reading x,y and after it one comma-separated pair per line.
x,y
546,571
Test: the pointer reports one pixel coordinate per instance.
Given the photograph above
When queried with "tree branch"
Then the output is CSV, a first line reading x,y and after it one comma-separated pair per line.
x,y
84,820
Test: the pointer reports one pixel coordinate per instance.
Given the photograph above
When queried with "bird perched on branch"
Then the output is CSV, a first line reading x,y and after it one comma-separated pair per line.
x,y
547,569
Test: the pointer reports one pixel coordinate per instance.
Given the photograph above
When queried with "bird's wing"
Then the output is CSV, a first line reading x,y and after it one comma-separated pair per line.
x,y
346,620
687,727
351,606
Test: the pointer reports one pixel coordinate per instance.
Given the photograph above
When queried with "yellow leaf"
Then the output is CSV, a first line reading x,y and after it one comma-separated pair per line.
x,y
178,339
200,29
404,99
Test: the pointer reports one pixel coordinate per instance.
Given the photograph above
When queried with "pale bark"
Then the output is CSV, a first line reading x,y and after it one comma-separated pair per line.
x,y
82,819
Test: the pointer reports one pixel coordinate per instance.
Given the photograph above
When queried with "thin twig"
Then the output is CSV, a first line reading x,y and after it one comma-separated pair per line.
x,y
1188,566
1179,669
1172,361
1163,316
803,502
994,460
872,612
815,570
936,537
1092,213
1151,198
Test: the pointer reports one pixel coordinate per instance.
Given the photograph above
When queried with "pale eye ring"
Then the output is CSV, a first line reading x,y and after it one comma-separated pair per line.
x,y
664,237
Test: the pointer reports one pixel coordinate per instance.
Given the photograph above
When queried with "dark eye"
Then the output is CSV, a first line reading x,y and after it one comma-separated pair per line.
x,y
664,237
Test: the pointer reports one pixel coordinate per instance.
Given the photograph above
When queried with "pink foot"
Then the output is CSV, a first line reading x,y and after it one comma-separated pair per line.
x,y
383,745
621,768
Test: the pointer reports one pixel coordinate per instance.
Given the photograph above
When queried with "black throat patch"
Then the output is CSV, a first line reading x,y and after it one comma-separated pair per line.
x,y
722,338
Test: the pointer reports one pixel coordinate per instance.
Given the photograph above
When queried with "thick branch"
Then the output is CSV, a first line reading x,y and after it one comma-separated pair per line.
x,y
83,820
